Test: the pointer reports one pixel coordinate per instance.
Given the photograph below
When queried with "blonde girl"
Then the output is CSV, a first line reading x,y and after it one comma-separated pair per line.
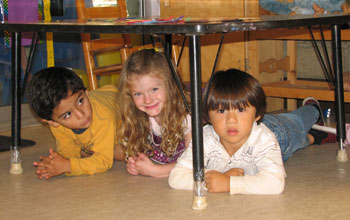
x,y
155,124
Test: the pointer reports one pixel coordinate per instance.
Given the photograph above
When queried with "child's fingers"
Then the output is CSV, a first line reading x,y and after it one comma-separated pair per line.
x,y
53,153
46,160
130,165
132,168
38,164
132,160
209,173
40,172
45,166
142,156
208,185
39,176
132,171
46,176
39,167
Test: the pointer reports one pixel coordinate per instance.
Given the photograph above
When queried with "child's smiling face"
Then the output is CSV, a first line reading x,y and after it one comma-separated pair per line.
x,y
149,94
74,111
233,126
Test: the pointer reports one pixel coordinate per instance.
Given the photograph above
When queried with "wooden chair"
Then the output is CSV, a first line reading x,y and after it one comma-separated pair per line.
x,y
293,88
127,51
92,47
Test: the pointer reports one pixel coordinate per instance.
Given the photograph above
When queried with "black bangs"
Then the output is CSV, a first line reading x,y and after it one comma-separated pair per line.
x,y
232,92
223,98
233,89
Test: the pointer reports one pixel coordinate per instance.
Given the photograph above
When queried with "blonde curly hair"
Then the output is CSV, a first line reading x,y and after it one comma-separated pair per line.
x,y
134,130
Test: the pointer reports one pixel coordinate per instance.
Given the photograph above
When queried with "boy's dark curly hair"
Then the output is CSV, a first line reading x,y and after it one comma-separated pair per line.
x,y
49,86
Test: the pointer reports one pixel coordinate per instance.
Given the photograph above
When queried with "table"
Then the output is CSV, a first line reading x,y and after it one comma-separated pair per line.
x,y
193,29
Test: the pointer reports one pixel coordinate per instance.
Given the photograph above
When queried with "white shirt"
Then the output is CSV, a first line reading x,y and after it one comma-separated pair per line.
x,y
259,157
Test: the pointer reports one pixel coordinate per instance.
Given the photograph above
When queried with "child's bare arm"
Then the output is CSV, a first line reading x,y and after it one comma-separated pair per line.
x,y
118,152
51,166
146,167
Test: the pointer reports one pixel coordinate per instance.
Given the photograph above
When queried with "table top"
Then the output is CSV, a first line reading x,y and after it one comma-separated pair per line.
x,y
191,26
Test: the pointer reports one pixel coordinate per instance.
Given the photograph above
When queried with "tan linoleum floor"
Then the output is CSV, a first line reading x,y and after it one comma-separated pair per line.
x,y
317,187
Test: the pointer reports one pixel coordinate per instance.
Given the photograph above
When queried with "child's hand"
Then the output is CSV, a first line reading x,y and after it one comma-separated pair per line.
x,y
235,172
131,166
144,165
217,182
40,170
51,166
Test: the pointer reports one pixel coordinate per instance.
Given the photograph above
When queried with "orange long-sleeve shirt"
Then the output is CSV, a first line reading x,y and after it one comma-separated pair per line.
x,y
99,138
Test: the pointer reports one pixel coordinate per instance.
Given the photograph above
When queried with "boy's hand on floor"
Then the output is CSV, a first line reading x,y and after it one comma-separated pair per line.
x,y
235,172
41,169
51,166
217,182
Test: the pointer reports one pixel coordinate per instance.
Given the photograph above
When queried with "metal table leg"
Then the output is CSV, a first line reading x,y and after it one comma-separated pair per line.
x,y
15,140
339,91
16,166
168,44
199,201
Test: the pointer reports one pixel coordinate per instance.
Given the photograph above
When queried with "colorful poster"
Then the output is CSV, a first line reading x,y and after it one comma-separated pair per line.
x,y
23,10
302,6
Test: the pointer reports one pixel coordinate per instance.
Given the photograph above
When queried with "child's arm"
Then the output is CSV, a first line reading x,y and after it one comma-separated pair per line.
x,y
270,178
103,151
64,142
181,176
51,166
217,182
235,172
144,166
220,182
102,139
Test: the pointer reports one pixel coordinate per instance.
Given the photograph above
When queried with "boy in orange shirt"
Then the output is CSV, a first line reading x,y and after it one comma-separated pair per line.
x,y
83,123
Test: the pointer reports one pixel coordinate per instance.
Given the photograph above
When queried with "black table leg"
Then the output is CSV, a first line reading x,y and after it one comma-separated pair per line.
x,y
339,91
199,201
15,140
168,44
16,90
